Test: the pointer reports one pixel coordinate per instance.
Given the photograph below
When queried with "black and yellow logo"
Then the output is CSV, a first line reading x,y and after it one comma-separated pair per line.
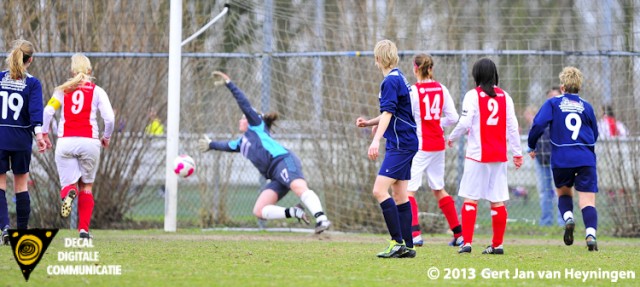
x,y
28,246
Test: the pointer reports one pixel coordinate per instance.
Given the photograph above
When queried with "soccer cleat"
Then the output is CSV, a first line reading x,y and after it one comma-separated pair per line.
x,y
592,245
569,226
300,210
66,203
322,226
465,249
408,253
493,250
417,241
5,236
394,250
457,241
85,235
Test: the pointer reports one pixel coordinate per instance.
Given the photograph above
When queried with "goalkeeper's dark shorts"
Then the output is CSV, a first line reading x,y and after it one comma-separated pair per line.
x,y
287,169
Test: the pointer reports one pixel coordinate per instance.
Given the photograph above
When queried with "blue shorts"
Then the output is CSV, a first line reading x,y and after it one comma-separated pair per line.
x,y
287,168
397,164
585,178
16,161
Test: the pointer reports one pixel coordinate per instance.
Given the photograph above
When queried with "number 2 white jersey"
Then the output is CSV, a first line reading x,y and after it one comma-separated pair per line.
x,y
79,107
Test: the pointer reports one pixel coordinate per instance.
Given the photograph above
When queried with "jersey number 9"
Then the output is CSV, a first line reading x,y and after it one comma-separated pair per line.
x,y
573,127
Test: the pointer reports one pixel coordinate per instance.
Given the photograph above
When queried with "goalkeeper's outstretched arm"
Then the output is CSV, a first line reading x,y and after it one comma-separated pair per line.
x,y
205,144
249,112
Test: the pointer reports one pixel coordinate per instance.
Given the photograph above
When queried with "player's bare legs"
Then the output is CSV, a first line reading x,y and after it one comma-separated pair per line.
x,y
565,206
587,203
312,202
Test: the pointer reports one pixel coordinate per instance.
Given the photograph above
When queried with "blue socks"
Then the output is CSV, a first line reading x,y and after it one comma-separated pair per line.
x,y
565,204
390,213
23,209
4,210
590,217
404,213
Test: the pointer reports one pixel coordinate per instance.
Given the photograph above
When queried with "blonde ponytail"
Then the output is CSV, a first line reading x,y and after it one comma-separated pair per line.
x,y
81,69
20,54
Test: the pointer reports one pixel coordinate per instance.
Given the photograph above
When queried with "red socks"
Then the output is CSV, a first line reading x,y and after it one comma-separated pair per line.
x,y
448,208
499,223
469,212
65,190
415,225
85,209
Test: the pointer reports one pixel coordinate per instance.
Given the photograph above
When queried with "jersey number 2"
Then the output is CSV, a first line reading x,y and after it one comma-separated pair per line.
x,y
492,105
12,102
433,108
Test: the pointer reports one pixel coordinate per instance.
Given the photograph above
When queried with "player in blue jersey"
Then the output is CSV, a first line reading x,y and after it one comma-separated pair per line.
x,y
397,125
21,117
573,129
274,162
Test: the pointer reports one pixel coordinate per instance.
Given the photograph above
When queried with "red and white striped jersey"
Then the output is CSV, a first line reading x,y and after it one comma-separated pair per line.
x,y
491,124
78,117
433,109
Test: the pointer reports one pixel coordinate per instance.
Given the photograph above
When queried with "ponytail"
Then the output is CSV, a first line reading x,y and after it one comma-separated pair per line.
x,y
485,74
20,54
269,119
81,68
424,63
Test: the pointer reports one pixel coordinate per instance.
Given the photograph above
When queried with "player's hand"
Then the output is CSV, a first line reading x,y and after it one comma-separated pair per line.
x,y
42,145
532,154
374,129
222,75
361,122
517,161
203,143
373,150
105,142
47,141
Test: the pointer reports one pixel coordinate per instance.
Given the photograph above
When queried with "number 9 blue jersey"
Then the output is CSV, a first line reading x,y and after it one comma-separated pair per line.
x,y
20,111
573,131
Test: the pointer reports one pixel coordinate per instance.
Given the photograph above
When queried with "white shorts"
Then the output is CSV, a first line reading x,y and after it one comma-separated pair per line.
x,y
77,158
484,181
433,163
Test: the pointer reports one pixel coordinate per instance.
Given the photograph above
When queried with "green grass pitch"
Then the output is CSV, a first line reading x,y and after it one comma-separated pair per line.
x,y
223,258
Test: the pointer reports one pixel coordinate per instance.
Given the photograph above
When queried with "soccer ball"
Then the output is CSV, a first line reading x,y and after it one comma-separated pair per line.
x,y
184,166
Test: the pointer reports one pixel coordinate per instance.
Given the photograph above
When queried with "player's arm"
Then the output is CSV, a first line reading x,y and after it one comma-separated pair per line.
x,y
383,123
106,112
52,106
249,112
469,111
205,144
593,121
540,123
449,110
513,135
35,108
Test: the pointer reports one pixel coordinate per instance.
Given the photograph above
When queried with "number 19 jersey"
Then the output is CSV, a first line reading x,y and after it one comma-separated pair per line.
x,y
20,111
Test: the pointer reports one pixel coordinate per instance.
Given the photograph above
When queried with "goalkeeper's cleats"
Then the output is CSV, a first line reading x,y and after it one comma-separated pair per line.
x,y
85,235
457,241
417,241
322,225
592,245
5,236
569,226
465,248
408,253
394,250
493,250
300,214
67,201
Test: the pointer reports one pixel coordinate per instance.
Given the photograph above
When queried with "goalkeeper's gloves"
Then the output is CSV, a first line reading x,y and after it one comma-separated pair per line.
x,y
203,143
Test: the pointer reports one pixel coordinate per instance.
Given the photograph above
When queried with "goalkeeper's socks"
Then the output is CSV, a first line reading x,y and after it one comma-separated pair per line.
x,y
390,213
4,210
85,209
448,208
469,212
312,202
23,209
590,217
275,212
404,214
499,224
565,206
415,224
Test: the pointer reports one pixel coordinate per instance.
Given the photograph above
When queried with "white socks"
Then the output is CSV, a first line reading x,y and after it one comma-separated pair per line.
x,y
591,231
312,202
567,215
273,212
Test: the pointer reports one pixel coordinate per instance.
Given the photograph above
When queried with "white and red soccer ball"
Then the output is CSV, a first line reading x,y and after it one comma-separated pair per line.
x,y
184,166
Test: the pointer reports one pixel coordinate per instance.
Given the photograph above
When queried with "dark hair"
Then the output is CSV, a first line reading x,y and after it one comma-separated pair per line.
x,y
485,74
555,88
424,62
608,111
269,119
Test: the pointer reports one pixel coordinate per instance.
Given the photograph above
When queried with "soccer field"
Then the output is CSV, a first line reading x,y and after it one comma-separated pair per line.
x,y
225,258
